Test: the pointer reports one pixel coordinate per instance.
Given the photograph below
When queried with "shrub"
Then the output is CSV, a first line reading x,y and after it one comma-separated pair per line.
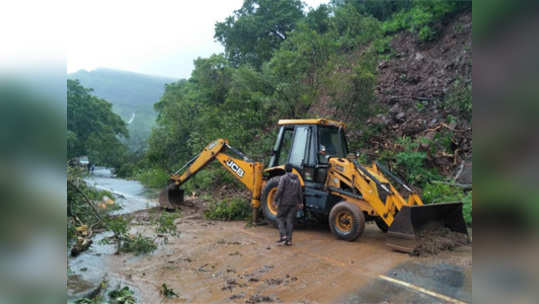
x,y
118,225
234,209
167,292
138,244
122,296
420,18
79,211
166,222
410,163
117,296
153,177
353,91
381,45
459,99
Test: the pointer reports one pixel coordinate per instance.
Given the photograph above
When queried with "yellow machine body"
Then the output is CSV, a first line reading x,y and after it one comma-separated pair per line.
x,y
350,191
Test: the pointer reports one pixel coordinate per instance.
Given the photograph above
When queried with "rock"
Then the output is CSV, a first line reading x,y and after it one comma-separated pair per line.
x,y
77,287
274,281
419,56
237,296
395,109
400,116
258,299
466,174
81,245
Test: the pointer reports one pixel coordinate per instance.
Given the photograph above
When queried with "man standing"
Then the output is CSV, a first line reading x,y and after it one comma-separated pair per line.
x,y
289,198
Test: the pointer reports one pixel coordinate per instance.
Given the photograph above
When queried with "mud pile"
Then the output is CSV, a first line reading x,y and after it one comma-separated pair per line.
x,y
433,238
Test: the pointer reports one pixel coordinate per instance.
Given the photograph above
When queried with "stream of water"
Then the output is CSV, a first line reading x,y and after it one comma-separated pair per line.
x,y
88,269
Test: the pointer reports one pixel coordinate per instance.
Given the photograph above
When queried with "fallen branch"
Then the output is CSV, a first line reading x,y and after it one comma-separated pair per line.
x,y
87,200
444,125
459,172
463,186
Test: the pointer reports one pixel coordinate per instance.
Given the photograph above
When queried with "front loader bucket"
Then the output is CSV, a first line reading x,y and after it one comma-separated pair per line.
x,y
171,197
412,223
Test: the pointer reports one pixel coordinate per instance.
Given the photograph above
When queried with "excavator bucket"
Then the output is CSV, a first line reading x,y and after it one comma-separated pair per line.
x,y
171,197
413,226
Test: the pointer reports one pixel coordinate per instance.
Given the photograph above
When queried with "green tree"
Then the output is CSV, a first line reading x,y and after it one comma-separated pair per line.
x,y
92,128
257,29
381,10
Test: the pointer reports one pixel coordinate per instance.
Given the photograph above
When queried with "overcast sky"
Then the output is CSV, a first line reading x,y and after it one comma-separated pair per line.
x,y
151,37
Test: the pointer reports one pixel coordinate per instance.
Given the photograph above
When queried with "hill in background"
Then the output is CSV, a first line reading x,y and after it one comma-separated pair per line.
x,y
132,96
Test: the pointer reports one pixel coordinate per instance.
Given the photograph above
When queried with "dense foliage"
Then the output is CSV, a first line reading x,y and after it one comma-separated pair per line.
x,y
92,128
257,29
277,61
281,61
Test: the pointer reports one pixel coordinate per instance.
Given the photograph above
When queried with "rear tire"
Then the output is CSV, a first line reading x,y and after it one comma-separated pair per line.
x,y
346,221
269,209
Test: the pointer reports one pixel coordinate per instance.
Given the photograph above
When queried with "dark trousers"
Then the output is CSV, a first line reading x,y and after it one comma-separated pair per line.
x,y
285,220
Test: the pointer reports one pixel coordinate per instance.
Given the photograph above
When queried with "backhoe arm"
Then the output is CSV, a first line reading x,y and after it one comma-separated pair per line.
x,y
245,170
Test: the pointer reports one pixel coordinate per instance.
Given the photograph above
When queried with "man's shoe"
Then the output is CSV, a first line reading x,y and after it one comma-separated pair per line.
x,y
282,240
288,243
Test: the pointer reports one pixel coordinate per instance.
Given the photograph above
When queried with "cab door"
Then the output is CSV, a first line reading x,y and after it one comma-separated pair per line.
x,y
295,146
298,152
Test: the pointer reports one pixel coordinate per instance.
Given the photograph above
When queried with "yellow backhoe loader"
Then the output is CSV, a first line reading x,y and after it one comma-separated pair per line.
x,y
337,188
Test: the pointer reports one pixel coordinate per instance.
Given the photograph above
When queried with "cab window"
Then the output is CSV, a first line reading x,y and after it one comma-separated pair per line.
x,y
297,155
286,143
332,142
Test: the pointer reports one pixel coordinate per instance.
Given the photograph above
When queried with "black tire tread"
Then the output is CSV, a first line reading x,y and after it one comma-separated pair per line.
x,y
272,182
358,221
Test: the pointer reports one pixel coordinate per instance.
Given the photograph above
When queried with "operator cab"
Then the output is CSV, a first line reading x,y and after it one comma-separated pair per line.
x,y
308,144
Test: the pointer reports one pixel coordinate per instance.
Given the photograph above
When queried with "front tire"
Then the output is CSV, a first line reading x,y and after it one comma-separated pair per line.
x,y
346,221
269,208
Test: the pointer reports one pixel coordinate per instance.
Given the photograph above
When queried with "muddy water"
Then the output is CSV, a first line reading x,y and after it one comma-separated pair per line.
x,y
130,194
222,262
90,268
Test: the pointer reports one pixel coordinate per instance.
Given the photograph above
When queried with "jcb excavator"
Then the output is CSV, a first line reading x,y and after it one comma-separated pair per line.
x,y
337,188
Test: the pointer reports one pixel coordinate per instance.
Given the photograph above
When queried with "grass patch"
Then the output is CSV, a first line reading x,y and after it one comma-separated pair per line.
x,y
228,210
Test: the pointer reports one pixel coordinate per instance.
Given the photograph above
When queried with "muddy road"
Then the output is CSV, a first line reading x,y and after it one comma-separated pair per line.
x,y
224,262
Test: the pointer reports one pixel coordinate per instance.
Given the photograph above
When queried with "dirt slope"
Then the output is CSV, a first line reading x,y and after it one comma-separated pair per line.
x,y
412,87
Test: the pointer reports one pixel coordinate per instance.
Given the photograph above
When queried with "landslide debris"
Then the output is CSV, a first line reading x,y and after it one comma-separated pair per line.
x,y
433,238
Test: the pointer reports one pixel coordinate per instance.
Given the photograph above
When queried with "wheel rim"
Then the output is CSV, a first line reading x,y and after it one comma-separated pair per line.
x,y
343,221
272,207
